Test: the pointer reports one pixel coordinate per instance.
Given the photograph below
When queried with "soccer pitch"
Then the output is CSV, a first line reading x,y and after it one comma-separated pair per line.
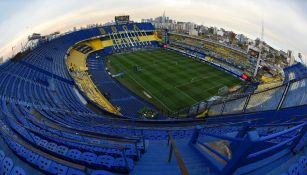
x,y
168,80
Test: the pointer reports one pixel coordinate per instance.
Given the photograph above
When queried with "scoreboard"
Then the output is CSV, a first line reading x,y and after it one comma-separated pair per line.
x,y
254,53
122,19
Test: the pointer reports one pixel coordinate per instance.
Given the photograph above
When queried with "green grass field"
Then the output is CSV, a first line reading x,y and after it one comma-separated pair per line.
x,y
168,80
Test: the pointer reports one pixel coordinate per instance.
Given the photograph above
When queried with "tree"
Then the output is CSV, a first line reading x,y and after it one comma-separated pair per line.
x,y
257,42
232,36
211,30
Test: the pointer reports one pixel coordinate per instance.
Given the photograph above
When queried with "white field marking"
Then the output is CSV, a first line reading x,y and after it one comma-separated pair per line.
x,y
198,79
212,88
192,81
185,94
147,95
202,99
149,92
203,78
223,79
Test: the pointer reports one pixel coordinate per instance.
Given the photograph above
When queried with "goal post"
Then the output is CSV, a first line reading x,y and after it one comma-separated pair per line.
x,y
138,68
223,91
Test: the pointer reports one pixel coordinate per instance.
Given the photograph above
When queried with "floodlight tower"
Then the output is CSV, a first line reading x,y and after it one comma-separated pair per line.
x,y
260,48
13,51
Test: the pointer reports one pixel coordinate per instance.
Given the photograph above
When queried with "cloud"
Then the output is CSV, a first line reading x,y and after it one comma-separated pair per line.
x,y
285,21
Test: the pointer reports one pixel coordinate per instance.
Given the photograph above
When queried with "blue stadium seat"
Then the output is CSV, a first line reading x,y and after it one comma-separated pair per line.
x,y
56,168
73,154
74,172
120,164
32,157
101,172
294,170
43,143
105,160
51,146
2,156
88,157
303,163
17,171
44,163
6,166
62,150
50,126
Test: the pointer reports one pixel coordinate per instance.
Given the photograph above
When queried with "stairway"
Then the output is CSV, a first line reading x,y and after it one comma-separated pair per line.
x,y
194,162
154,161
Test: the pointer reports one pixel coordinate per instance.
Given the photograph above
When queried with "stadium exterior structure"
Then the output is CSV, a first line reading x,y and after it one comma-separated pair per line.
x,y
48,128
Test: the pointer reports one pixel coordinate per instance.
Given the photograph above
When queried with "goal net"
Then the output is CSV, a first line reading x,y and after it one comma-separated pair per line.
x,y
138,68
223,91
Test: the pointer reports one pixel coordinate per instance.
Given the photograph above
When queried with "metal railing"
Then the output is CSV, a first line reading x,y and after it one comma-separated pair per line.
x,y
288,95
180,162
249,146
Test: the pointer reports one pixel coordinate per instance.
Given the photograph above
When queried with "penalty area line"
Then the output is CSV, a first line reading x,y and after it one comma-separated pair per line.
x,y
148,91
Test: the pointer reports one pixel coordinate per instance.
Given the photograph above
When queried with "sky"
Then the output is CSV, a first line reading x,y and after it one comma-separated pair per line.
x,y
285,21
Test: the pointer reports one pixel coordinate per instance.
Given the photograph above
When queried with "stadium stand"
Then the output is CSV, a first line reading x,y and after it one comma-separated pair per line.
x,y
118,95
119,39
207,56
229,55
294,72
47,128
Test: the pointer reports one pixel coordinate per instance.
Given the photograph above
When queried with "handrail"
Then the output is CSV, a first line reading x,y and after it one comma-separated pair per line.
x,y
251,141
223,137
214,151
289,84
280,133
271,148
49,156
63,138
70,140
277,124
180,162
69,129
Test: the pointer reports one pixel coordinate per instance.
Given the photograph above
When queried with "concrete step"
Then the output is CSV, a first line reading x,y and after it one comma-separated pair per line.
x,y
194,162
154,161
